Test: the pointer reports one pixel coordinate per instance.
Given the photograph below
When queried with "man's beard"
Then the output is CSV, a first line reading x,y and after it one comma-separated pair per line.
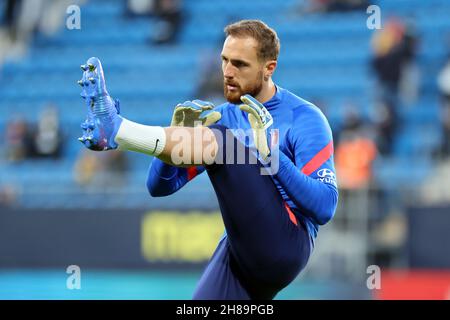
x,y
235,96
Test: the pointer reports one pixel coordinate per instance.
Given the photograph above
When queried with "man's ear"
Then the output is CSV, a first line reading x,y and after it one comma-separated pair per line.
x,y
270,67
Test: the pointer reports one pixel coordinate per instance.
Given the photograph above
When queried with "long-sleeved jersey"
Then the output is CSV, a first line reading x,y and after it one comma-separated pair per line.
x,y
306,177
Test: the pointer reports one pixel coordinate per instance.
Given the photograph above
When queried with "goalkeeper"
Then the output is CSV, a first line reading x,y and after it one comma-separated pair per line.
x,y
271,221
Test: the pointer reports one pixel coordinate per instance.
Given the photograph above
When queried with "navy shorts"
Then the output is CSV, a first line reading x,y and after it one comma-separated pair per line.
x,y
264,248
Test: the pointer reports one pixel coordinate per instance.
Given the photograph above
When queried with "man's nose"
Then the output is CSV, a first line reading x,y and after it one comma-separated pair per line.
x,y
228,71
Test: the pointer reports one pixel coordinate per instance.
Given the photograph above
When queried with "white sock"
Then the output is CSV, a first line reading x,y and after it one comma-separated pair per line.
x,y
136,137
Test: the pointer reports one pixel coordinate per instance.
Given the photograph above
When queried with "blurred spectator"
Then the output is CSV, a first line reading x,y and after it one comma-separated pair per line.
x,y
410,74
25,18
318,6
444,90
116,167
352,118
386,126
104,170
139,7
26,23
354,157
210,87
435,190
86,166
18,139
355,150
8,196
393,62
351,121
344,5
47,140
168,14
9,18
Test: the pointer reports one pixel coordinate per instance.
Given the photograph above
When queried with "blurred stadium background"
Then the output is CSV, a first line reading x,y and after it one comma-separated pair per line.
x,y
386,93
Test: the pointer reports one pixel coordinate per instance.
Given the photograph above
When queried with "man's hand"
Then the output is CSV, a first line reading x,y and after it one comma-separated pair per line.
x,y
260,120
191,113
103,120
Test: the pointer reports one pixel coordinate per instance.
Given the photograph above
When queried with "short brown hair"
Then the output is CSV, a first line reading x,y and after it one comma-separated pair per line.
x,y
269,44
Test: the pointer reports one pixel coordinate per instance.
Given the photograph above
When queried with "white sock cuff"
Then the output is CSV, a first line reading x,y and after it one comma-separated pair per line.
x,y
136,137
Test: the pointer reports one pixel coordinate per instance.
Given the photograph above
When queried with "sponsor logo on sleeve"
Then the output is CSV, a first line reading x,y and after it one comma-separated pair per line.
x,y
327,176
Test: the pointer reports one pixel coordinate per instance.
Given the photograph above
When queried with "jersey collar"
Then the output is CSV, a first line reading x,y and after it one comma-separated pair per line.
x,y
275,100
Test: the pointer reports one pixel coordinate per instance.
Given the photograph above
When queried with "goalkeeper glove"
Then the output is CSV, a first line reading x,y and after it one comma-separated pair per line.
x,y
260,120
191,113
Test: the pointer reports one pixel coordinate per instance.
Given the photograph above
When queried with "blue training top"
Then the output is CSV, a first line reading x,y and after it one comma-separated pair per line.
x,y
306,177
